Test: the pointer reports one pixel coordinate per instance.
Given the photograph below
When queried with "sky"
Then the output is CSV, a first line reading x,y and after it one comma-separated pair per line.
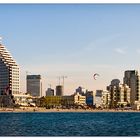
x,y
73,40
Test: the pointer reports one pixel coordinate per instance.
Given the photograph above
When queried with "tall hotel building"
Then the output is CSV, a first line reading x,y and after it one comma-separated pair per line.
x,y
132,79
119,94
9,73
34,85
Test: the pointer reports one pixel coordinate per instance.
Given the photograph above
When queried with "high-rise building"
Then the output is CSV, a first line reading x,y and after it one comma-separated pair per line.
x,y
59,90
9,73
34,85
132,79
50,92
119,94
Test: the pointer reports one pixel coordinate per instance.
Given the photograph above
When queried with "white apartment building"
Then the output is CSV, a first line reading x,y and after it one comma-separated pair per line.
x,y
102,98
9,73
105,99
119,94
132,79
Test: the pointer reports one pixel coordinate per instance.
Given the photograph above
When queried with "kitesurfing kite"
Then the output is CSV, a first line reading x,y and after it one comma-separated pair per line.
x,y
94,76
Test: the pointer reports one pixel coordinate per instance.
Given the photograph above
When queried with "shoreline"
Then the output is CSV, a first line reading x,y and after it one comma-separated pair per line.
x,y
20,110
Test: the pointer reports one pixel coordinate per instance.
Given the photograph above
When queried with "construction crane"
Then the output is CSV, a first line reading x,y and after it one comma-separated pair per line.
x,y
0,39
63,77
58,80
50,85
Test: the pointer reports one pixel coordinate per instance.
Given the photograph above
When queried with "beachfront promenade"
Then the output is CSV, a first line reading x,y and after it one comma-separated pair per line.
x,y
34,109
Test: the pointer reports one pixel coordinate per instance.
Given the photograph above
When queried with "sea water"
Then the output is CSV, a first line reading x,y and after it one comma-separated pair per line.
x,y
70,124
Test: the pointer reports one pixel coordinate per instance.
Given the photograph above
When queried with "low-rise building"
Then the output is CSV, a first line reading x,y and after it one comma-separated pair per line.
x,y
71,100
67,100
102,99
24,99
98,98
89,98
6,101
53,100
79,99
105,99
136,105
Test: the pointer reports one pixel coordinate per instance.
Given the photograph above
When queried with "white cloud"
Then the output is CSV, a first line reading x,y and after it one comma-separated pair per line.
x,y
138,51
91,46
103,41
120,50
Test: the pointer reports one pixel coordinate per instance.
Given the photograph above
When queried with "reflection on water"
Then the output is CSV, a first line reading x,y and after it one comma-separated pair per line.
x,y
70,124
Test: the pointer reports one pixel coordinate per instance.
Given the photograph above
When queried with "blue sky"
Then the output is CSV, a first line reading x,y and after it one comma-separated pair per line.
x,y
72,40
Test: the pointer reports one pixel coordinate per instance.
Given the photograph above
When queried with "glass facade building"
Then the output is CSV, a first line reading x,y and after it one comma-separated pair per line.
x,y
34,85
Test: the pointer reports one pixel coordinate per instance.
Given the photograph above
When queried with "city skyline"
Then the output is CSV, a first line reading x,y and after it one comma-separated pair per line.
x,y
72,40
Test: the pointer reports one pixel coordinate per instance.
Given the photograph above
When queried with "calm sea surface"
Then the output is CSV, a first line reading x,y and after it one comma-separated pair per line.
x,y
70,124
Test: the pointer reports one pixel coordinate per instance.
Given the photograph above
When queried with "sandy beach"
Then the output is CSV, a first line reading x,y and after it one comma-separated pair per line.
x,y
32,109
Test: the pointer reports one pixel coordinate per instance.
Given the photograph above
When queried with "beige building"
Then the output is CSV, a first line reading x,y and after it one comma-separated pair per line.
x,y
136,105
53,100
132,79
74,99
105,99
24,99
9,73
57,100
68,100
102,98
119,94
79,99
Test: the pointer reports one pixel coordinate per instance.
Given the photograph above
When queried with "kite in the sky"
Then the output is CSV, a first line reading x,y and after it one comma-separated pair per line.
x,y
94,76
